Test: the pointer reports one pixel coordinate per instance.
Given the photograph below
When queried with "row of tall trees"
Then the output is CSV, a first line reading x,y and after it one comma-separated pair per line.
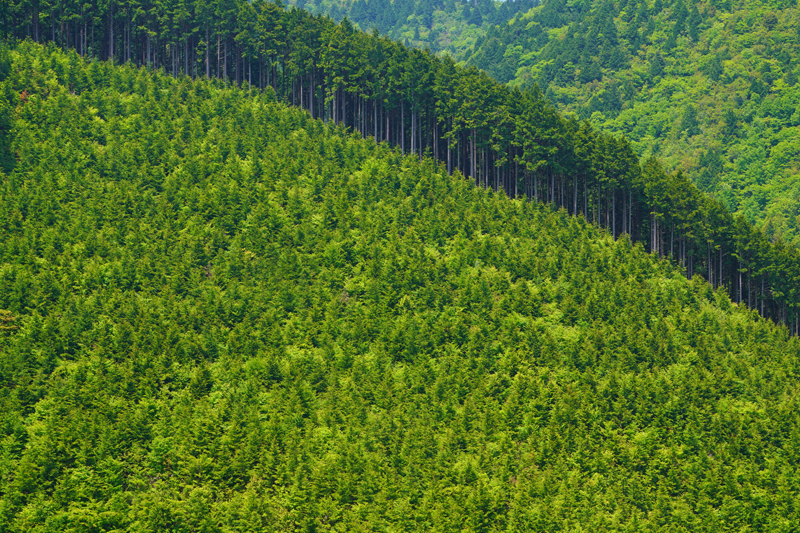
x,y
501,138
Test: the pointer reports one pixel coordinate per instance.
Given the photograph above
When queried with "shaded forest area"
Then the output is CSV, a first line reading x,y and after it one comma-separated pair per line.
x,y
499,137
221,315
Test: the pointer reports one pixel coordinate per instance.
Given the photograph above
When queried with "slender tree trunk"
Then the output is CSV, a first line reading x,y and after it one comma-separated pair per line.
x,y
111,31
672,240
653,246
436,141
413,130
740,279
575,195
708,258
624,217
473,159
449,158
614,214
586,202
402,126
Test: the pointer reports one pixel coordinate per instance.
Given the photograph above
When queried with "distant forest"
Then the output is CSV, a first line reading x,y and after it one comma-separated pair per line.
x,y
498,137
385,15
710,88
452,26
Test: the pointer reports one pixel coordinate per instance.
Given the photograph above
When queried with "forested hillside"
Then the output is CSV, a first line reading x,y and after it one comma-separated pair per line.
x,y
219,314
499,137
710,88
452,26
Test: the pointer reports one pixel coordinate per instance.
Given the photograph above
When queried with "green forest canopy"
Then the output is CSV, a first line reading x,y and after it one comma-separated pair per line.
x,y
499,137
233,317
710,88
450,26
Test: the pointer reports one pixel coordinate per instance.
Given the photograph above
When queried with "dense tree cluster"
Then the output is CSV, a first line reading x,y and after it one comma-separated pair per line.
x,y
222,315
449,26
709,88
388,16
499,137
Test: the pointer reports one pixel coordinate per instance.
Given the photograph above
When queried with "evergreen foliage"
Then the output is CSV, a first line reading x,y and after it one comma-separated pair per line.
x,y
453,26
716,58
499,137
233,317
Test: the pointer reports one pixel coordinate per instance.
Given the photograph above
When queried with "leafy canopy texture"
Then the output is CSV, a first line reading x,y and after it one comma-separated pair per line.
x,y
222,315
708,87
451,26
500,137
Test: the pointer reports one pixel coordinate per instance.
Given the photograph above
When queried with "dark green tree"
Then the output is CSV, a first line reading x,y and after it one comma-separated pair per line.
x,y
689,122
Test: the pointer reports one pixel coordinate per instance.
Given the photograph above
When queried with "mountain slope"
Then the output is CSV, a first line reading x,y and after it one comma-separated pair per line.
x,y
451,26
709,88
231,317
499,137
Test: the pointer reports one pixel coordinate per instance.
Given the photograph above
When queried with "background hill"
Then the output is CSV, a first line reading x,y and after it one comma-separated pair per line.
x,y
450,26
222,315
710,88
